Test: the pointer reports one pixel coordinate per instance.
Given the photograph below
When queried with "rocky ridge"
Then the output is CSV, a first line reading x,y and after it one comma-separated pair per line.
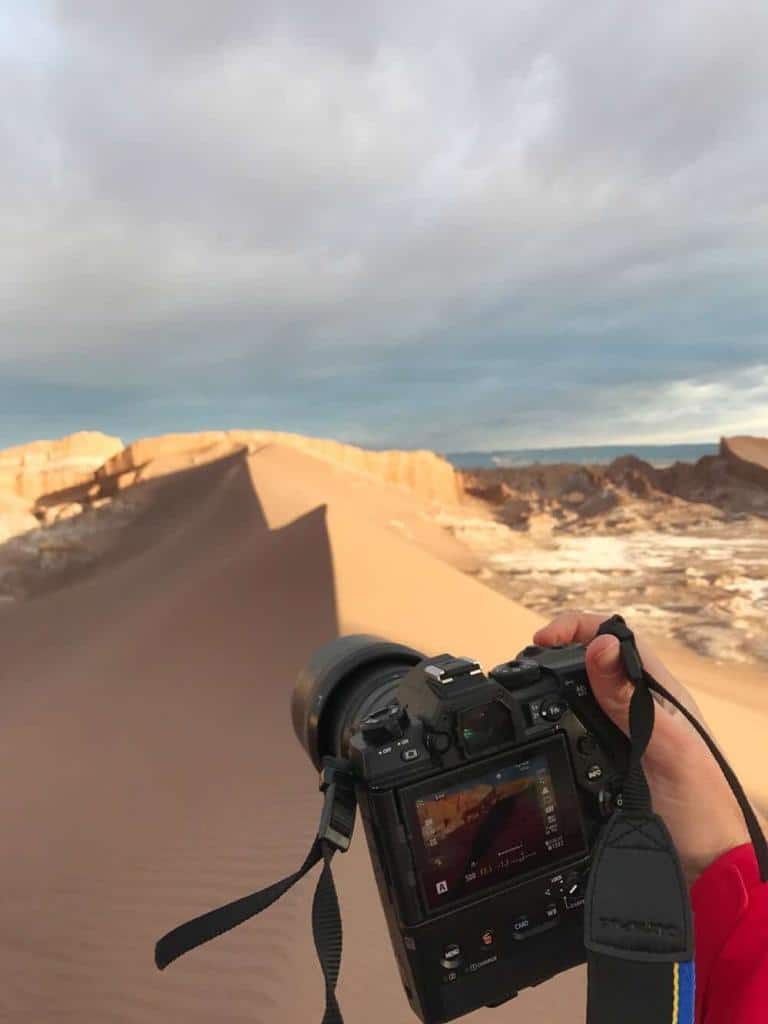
x,y
421,471
62,501
629,493
682,549
30,471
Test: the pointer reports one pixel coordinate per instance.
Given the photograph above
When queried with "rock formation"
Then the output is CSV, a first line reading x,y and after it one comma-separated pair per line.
x,y
90,467
681,549
628,491
15,516
747,457
33,470
61,502
422,472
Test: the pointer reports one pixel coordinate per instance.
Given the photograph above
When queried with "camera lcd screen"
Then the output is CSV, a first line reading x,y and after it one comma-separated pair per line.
x,y
489,823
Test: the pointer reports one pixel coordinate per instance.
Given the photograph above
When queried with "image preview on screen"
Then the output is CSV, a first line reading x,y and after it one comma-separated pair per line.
x,y
493,825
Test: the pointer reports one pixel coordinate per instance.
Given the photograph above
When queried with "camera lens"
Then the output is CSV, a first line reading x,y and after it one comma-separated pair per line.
x,y
486,726
345,681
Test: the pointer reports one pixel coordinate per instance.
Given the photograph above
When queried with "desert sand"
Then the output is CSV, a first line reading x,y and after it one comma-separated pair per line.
x,y
149,769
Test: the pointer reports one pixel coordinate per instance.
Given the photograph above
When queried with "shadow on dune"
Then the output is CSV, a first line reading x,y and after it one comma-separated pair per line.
x,y
149,769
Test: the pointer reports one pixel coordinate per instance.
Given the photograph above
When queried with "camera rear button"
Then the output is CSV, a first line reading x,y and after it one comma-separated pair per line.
x,y
409,754
605,803
533,708
438,742
552,710
594,772
587,744
451,958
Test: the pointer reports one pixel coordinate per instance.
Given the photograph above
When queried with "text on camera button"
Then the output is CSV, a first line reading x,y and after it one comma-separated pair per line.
x,y
552,710
451,957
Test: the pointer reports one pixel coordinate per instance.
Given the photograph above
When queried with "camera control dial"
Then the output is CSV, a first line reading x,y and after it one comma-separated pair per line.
x,y
514,675
574,889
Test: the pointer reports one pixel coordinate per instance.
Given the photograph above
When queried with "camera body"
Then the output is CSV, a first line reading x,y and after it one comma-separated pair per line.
x,y
482,797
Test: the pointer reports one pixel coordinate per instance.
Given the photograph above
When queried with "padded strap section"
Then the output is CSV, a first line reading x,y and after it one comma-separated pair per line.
x,y
636,905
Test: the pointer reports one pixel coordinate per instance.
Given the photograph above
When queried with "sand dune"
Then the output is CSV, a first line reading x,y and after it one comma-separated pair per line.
x,y
148,766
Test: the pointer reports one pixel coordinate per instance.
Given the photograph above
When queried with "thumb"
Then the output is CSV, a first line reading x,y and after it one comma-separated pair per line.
x,y
612,689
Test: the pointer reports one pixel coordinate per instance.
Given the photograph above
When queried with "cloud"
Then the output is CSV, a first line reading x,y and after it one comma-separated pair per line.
x,y
396,223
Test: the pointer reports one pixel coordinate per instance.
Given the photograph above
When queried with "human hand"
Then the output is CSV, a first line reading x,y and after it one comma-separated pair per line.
x,y
687,786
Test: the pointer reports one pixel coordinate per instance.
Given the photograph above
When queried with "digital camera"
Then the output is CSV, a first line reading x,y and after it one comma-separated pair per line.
x,y
481,796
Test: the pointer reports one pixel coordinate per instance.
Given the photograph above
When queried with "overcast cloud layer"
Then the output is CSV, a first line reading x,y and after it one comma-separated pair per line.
x,y
460,226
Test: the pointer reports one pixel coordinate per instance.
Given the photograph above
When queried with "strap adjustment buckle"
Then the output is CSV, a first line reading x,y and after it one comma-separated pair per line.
x,y
630,656
337,819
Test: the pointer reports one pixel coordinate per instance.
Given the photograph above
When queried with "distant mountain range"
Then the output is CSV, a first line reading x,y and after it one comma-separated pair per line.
x,y
658,455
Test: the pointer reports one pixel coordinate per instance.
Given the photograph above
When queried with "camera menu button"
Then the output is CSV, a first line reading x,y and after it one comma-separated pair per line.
x,y
451,958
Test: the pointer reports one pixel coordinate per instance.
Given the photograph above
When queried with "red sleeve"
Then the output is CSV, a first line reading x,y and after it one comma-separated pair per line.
x,y
730,907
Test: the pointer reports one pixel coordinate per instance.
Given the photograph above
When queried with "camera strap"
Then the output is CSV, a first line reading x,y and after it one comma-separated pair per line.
x,y
334,834
638,928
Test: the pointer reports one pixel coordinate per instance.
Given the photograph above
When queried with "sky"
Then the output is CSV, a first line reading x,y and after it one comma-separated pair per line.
x,y
449,225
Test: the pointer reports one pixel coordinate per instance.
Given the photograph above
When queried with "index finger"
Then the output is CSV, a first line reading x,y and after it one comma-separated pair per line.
x,y
578,627
571,627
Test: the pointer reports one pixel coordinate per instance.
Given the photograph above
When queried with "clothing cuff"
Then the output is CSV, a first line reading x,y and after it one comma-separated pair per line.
x,y
719,898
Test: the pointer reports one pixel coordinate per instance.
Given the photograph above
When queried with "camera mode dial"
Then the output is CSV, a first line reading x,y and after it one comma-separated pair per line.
x,y
385,725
